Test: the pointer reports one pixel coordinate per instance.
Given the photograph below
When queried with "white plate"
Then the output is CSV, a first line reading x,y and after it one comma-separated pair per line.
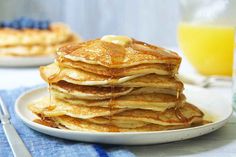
x,y
25,61
209,102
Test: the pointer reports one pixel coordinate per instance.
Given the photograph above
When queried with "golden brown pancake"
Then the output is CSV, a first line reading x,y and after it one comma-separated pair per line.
x,y
100,92
112,55
157,81
89,92
84,125
157,68
117,122
151,101
153,90
53,73
186,114
56,108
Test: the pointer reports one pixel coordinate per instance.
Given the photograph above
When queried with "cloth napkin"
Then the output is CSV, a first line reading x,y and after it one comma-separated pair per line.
x,y
41,145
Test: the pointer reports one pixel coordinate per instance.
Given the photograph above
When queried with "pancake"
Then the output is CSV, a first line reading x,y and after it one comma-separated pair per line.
x,y
57,33
84,125
53,73
90,92
33,50
153,101
112,55
63,89
187,114
151,90
100,92
155,81
57,108
117,122
160,69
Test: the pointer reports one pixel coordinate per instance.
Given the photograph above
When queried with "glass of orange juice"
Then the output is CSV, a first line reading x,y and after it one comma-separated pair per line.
x,y
206,41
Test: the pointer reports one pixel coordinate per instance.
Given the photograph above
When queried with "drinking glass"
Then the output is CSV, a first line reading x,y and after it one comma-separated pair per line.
x,y
206,35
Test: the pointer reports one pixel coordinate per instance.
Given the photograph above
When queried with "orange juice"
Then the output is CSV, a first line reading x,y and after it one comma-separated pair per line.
x,y
208,48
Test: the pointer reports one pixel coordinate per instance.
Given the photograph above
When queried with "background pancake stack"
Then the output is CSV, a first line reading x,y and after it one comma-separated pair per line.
x,y
29,37
115,84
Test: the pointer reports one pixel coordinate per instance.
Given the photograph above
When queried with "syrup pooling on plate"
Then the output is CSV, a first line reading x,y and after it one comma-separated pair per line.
x,y
116,84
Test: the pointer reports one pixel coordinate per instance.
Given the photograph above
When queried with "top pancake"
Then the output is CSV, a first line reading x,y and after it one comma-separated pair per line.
x,y
57,33
112,55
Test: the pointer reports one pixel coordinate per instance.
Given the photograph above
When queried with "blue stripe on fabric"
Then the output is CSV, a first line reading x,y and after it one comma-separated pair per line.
x,y
101,152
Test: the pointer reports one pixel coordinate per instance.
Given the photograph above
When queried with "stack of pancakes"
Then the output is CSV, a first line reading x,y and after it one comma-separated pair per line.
x,y
115,84
34,42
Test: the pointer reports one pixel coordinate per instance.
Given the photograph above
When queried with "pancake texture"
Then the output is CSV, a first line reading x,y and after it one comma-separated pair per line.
x,y
160,69
58,108
115,84
88,92
112,55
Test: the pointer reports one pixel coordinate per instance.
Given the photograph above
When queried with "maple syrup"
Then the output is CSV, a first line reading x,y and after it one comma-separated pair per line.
x,y
45,122
180,116
116,57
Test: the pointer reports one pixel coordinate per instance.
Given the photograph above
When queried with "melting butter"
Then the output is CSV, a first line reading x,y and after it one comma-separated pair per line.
x,y
117,39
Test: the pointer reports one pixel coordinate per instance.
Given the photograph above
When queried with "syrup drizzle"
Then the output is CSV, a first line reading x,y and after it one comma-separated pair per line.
x,y
45,122
117,57
177,94
50,90
180,116
111,102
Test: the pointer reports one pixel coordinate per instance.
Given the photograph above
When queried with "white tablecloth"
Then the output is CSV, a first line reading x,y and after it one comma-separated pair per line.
x,y
221,143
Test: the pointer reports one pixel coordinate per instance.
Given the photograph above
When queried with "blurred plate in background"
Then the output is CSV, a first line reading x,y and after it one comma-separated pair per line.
x,y
25,61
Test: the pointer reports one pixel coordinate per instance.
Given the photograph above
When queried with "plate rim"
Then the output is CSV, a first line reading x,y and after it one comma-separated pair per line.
x,y
39,126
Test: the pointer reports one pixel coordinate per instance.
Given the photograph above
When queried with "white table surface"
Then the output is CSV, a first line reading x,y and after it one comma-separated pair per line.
x,y
221,143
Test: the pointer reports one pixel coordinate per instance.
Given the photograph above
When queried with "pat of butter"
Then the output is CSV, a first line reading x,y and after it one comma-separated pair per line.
x,y
117,39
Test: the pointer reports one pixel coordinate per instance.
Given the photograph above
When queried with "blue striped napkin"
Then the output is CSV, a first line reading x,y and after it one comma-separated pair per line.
x,y
41,145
